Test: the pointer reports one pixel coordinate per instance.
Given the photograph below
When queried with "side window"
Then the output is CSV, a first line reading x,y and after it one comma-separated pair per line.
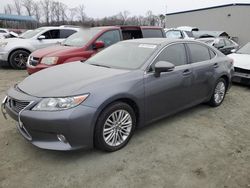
x,y
198,53
221,42
110,37
175,54
2,31
52,34
174,35
228,42
152,33
65,33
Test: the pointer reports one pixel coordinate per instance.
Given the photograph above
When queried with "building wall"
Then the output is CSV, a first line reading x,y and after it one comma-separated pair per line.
x,y
235,20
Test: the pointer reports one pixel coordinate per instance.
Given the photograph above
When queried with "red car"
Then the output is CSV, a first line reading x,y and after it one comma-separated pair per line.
x,y
87,42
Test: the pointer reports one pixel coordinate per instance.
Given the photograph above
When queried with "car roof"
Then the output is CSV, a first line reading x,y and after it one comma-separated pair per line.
x,y
58,27
157,41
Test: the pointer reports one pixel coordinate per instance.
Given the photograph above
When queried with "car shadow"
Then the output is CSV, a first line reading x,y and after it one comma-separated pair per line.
x,y
94,153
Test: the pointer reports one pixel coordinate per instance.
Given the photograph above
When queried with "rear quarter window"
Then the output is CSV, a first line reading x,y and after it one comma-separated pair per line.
x,y
65,33
152,33
198,53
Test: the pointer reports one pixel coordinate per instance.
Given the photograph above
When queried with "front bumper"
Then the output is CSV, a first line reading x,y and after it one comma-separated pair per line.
x,y
3,58
243,78
33,69
42,128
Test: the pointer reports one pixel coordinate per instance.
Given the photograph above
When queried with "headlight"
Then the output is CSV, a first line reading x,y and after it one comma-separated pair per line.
x,y
49,60
55,104
3,44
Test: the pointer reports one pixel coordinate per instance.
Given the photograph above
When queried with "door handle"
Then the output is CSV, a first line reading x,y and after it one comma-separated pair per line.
x,y
186,72
216,65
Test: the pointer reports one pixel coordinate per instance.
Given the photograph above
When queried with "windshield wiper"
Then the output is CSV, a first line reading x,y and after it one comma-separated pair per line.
x,y
100,65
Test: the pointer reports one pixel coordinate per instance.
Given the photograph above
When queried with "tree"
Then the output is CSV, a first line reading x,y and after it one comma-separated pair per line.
x,y
28,5
8,9
37,11
18,7
46,10
81,14
124,16
162,18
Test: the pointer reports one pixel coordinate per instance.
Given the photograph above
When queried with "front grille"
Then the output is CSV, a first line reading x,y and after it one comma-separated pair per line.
x,y
240,70
34,61
16,105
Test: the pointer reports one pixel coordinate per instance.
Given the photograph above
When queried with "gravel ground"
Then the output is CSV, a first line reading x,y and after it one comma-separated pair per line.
x,y
200,147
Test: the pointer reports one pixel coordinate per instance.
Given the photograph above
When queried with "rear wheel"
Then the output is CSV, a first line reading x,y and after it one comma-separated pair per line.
x,y
115,127
18,59
219,93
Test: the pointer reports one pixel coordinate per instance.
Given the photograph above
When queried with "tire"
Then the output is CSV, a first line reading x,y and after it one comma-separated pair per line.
x,y
115,136
18,59
219,93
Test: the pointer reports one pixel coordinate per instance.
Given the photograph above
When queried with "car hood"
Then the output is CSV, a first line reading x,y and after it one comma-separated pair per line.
x,y
241,60
67,80
9,40
54,51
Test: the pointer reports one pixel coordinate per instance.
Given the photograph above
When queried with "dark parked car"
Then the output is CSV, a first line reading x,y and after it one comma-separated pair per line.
x,y
86,43
130,84
225,45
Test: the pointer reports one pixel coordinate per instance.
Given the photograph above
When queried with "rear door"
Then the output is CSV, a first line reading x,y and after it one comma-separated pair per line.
x,y
203,70
172,91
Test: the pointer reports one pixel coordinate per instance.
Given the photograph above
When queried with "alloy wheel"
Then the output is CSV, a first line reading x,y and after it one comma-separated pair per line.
x,y
117,128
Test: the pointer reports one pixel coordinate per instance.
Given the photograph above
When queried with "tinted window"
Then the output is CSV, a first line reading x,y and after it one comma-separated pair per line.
x,y
52,34
175,54
189,33
2,31
198,53
152,33
110,37
65,33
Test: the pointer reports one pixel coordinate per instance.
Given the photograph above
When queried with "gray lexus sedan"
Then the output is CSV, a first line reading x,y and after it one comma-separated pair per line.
x,y
101,101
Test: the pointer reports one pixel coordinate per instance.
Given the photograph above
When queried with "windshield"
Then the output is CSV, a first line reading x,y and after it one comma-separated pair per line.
x,y
244,50
82,37
29,34
124,55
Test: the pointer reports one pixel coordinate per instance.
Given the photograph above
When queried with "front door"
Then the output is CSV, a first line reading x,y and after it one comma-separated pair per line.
x,y
171,91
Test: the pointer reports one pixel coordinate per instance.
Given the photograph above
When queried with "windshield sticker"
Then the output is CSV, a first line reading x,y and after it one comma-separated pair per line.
x,y
147,46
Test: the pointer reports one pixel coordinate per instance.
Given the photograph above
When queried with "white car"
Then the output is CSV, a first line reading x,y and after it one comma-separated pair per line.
x,y
15,51
178,34
241,64
3,33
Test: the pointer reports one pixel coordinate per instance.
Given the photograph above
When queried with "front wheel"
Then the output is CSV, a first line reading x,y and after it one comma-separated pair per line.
x,y
115,127
219,93
18,59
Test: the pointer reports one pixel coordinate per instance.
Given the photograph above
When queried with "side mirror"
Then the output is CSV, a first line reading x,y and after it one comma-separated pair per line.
x,y
163,66
98,45
41,37
233,50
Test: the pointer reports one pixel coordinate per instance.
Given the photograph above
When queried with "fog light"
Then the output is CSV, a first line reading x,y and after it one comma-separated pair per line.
x,y
62,138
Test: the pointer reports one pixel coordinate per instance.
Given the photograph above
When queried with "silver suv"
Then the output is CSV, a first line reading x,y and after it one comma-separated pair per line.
x,y
15,51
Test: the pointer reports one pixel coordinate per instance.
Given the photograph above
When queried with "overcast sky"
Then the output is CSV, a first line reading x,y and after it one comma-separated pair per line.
x,y
102,8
